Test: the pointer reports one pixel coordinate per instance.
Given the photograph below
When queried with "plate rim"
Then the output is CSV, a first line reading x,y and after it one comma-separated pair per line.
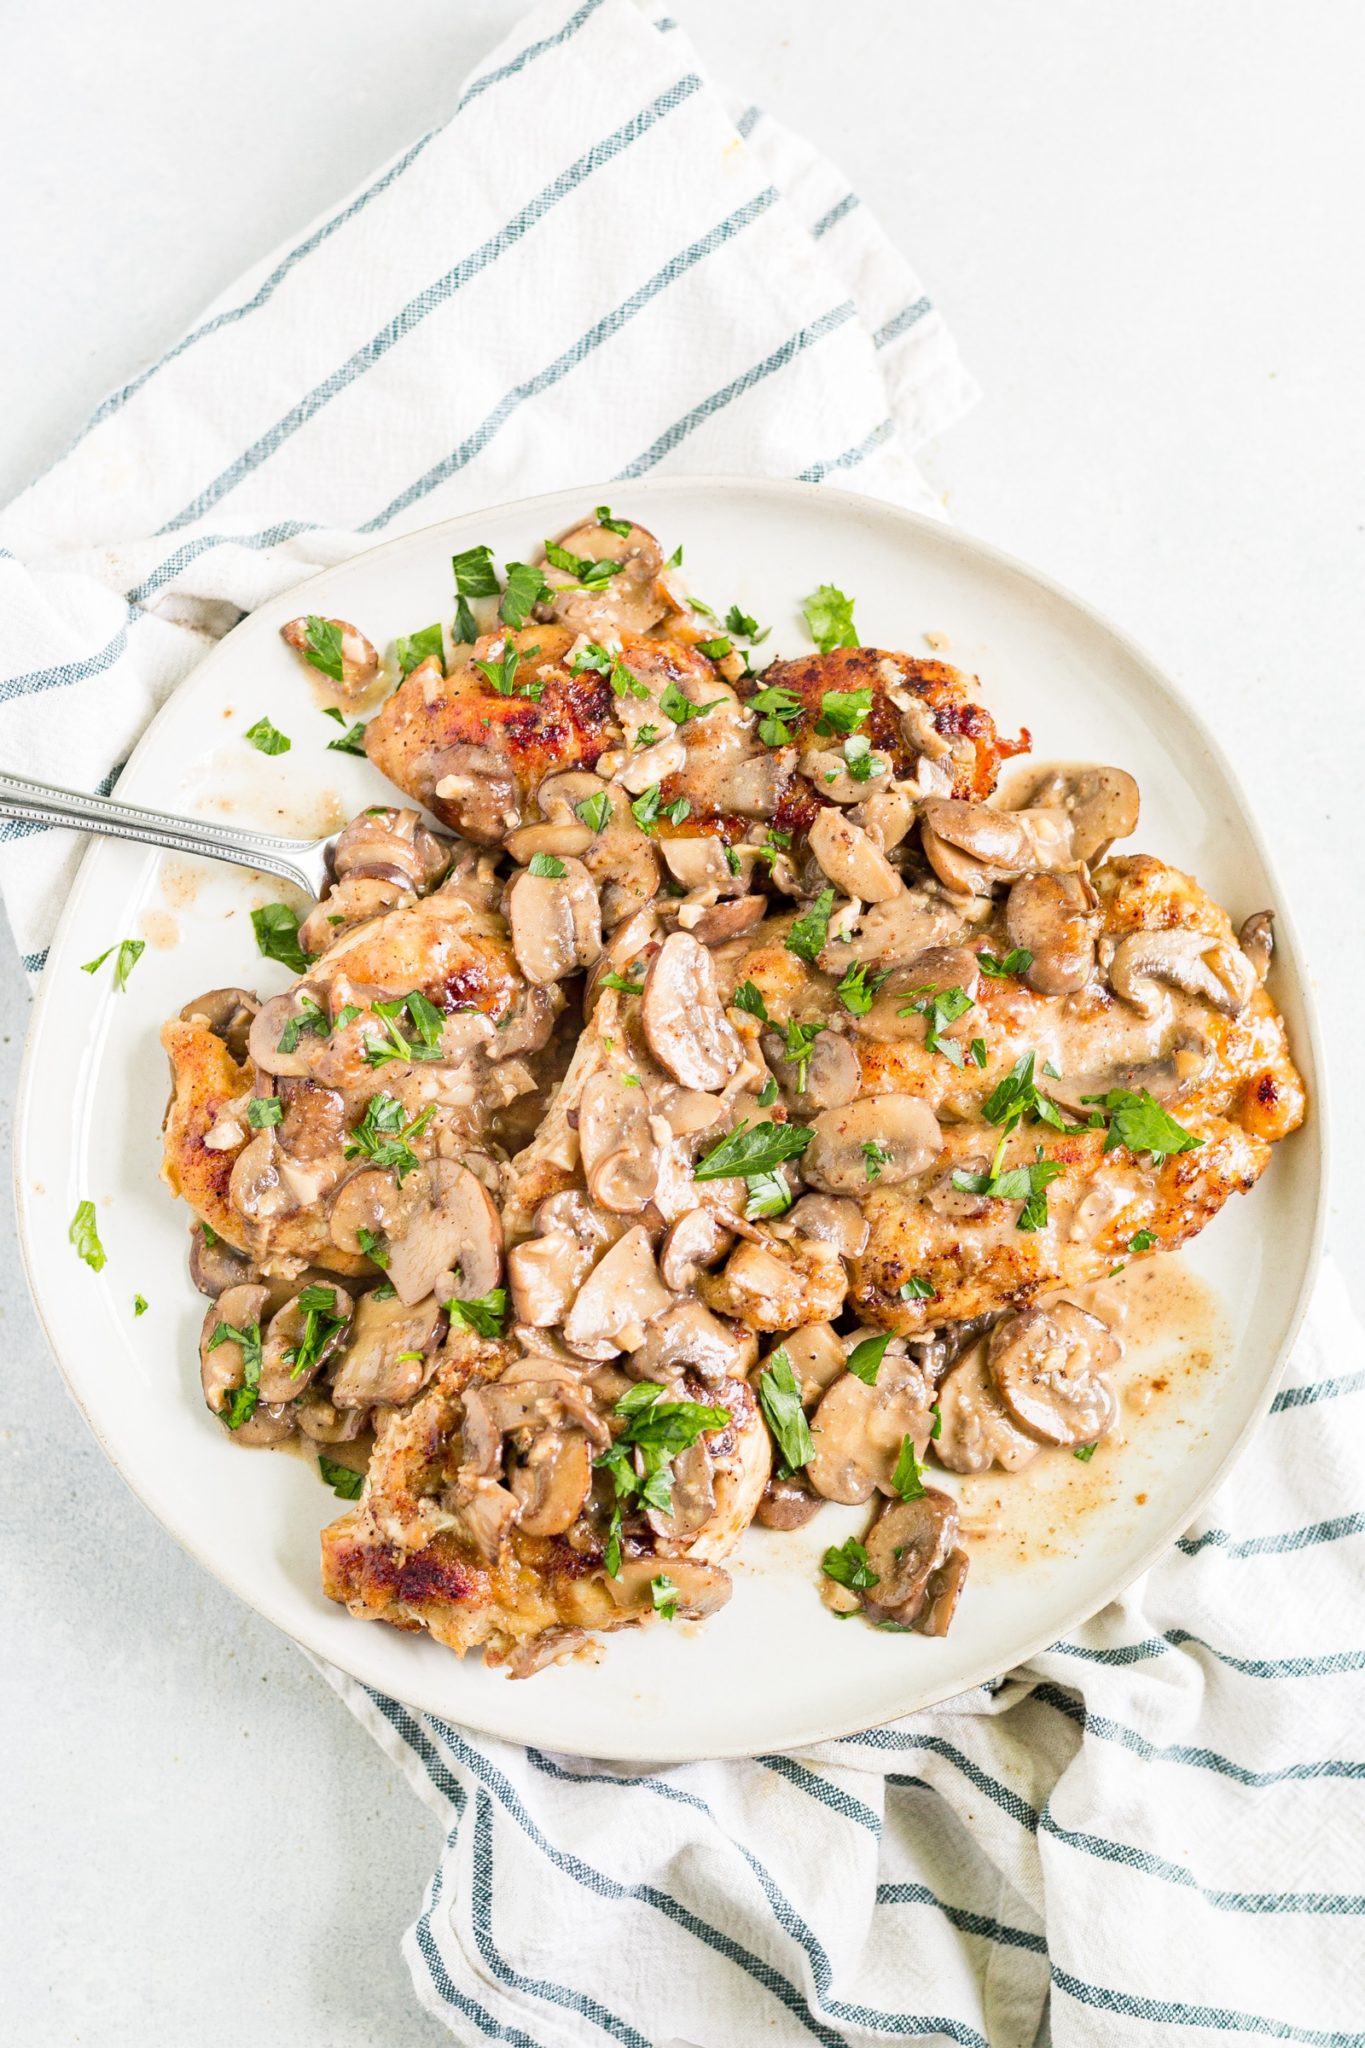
x,y
1001,559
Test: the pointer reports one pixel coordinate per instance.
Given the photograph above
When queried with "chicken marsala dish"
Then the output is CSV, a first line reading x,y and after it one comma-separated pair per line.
x,y
718,1123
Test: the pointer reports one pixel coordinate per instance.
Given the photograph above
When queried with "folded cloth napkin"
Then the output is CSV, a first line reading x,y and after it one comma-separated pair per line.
x,y
1161,1820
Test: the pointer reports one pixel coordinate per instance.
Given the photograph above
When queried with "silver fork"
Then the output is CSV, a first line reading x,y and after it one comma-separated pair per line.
x,y
307,863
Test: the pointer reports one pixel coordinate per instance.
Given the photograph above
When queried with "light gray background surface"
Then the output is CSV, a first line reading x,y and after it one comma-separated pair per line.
x,y
1145,226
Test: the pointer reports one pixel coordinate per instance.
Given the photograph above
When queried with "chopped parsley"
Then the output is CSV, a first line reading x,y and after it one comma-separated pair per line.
x,y
1142,1241
917,1288
321,1323
264,1110
680,709
595,811
277,935
413,649
937,1430
640,1459
768,1093
345,1482
547,866
717,649
865,1359
979,1054
501,675
808,936
475,576
383,1133
859,759
526,587
322,647
1016,962
843,710
1137,1120
85,1237
829,619
664,1594
779,1396
311,1018
1026,1184
799,1047
352,741
849,1566
1085,1452
130,951
769,1195
621,985
588,574
487,1316
752,1150
859,987
424,1018
776,708
744,626
374,1246
748,997
646,736
648,809
267,739
940,1007
907,1478
876,1157
620,527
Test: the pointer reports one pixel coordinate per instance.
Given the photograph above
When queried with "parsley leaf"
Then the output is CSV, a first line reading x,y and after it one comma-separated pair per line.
x,y
547,866
623,987
139,1305
1017,961
590,575
277,935
865,1359
1142,1241
907,1478
768,1093
475,575
94,966
130,951
374,1246
352,741
1026,1184
843,710
829,619
940,1007
849,1566
241,1401
859,987
749,998
526,588
267,739
917,1288
1085,1452
776,708
345,1483
487,1316
744,626
620,527
321,1323
648,809
264,1110
680,709
322,647
415,648
383,1132
779,1396
1138,1121
809,934
876,1156
501,675
859,759
595,811
715,650
85,1237
756,1150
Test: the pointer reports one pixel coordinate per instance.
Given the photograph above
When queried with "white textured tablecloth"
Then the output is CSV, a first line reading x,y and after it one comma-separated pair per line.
x,y
597,266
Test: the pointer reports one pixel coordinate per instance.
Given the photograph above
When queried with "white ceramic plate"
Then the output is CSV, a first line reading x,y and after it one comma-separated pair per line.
x,y
773,1670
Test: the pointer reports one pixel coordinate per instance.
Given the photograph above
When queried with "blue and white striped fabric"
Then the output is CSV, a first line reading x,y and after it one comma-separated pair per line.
x,y
595,268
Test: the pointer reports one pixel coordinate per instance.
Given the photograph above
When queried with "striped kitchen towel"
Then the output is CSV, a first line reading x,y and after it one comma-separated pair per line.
x,y
596,266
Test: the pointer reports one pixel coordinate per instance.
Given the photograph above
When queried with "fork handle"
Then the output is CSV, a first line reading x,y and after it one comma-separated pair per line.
x,y
294,860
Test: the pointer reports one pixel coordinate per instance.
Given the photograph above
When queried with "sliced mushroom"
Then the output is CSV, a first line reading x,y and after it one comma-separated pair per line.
x,y
1054,917
1185,1066
488,1510
886,816
631,601
888,934
375,1201
787,1504
684,1022
327,1424
699,862
1049,1365
908,1543
894,1015
216,1267
817,1355
942,1594
974,1430
351,903
619,1154
1102,804
475,791
359,660
973,847
858,1430
688,1338
227,1012
904,1130
222,1367
1197,962
256,1190
692,1500
454,1229
556,922
558,837
839,1222
312,1127
620,1296
538,1652
552,1482
697,1240
831,1071
850,859
701,1589
283,1377
388,1351
719,923
391,845
275,1019
1257,941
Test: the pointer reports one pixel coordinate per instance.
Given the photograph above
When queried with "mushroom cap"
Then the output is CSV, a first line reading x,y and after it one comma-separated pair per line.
x,y
631,601
616,1143
373,1200
216,1267
787,1504
901,1125
685,1024
618,1299
858,1429
973,846
280,1380
228,1013
377,1362
556,922
1054,917
834,1219
906,1545
833,1072
974,1429
851,860
454,1229
1048,1365
701,1588
942,1594
1102,804
688,1338
552,1482
697,1240
1202,963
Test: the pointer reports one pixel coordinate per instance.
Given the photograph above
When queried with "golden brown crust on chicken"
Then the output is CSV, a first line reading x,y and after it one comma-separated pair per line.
x,y
204,1080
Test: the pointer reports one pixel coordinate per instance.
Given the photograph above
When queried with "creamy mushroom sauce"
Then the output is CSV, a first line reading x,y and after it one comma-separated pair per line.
x,y
742,1112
